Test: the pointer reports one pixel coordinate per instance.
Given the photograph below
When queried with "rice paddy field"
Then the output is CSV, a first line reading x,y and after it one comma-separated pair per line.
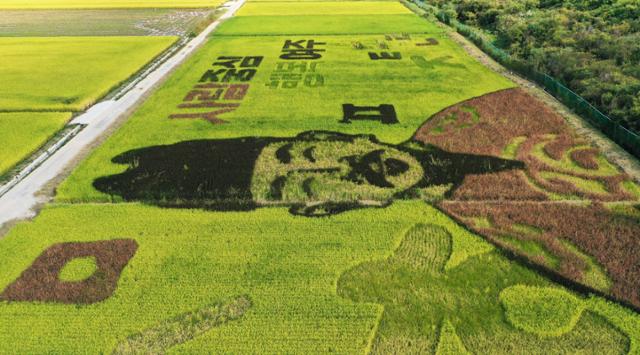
x,y
322,8
23,133
44,80
112,4
71,73
330,177
103,22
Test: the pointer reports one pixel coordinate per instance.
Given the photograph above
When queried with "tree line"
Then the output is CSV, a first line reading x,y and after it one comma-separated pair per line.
x,y
591,46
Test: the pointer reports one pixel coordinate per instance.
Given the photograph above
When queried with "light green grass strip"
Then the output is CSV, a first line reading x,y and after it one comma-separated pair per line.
x,y
511,150
532,248
595,275
322,8
632,187
326,25
590,186
185,327
449,342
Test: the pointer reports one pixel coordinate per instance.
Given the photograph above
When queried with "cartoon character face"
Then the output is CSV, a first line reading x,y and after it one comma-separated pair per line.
x,y
316,173
324,167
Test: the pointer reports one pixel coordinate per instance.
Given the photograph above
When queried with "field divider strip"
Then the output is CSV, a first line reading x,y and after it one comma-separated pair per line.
x,y
103,202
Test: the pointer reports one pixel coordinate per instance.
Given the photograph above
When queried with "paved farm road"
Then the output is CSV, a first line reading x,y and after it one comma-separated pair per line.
x,y
20,202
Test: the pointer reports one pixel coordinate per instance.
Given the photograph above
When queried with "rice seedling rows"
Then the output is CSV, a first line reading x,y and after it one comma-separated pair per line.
x,y
61,74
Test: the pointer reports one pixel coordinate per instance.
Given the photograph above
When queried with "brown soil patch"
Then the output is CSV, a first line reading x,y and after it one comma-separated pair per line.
x,y
41,281
612,239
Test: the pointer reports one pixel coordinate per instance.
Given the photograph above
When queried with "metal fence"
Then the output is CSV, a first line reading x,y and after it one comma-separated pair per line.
x,y
619,134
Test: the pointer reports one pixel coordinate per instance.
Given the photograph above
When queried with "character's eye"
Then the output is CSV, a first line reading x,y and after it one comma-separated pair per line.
x,y
395,167
309,153
284,153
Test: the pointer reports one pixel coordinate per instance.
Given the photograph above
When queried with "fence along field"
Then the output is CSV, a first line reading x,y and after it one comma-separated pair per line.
x,y
381,271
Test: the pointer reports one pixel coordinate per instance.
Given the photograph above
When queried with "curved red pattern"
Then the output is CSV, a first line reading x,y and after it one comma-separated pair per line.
x,y
513,116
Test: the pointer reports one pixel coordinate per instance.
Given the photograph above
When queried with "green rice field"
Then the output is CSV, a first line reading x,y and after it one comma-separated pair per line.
x,y
272,112
45,80
23,133
320,177
61,74
322,8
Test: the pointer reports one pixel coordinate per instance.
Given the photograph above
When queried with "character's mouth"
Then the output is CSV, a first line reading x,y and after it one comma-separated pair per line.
x,y
374,169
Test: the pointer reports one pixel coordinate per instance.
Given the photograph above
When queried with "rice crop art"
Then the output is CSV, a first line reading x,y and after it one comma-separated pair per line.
x,y
331,178
194,269
535,211
239,86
